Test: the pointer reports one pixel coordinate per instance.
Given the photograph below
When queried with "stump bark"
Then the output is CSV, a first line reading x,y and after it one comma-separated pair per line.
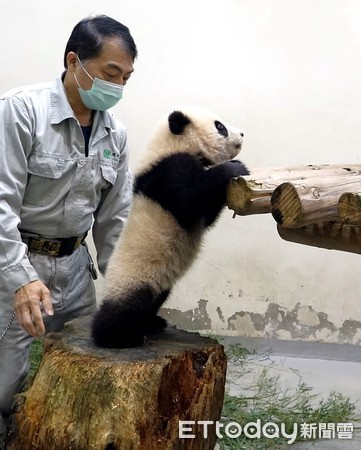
x,y
84,397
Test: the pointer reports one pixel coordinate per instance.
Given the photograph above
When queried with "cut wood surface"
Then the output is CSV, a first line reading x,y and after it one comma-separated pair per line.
x,y
85,398
330,235
251,194
245,197
314,201
349,208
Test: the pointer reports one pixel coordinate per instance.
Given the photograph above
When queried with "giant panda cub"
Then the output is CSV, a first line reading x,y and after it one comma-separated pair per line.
x,y
179,191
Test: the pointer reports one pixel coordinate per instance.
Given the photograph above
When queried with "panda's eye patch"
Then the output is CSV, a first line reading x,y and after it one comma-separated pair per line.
x,y
221,128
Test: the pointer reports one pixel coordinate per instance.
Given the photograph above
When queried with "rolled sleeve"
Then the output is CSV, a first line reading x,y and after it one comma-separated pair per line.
x,y
16,276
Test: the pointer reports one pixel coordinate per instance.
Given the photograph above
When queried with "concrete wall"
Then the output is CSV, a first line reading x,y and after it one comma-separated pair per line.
x,y
288,73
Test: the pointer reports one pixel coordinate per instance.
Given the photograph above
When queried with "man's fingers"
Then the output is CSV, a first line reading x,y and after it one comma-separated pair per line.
x,y
38,323
47,305
28,302
26,320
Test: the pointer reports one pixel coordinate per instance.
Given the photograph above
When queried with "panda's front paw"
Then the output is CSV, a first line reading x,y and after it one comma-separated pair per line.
x,y
235,168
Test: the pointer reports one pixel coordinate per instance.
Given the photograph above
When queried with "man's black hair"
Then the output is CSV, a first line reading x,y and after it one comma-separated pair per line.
x,y
87,37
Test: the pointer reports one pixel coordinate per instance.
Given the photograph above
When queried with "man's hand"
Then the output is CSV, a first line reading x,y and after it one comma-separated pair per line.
x,y
27,304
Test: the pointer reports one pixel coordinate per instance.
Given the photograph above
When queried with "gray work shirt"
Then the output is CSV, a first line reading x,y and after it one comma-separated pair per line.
x,y
48,186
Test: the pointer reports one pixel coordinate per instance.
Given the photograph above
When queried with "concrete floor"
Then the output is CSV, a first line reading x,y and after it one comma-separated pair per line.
x,y
324,367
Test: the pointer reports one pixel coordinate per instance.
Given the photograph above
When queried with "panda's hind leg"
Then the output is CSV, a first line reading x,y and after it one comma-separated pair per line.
x,y
155,323
124,322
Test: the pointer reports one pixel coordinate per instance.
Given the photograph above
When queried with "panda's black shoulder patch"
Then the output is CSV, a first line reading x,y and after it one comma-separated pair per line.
x,y
173,182
206,162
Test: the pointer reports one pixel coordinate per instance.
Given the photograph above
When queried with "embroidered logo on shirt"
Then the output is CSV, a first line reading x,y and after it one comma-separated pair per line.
x,y
107,153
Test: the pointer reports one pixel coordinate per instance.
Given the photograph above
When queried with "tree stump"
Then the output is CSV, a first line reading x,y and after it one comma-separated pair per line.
x,y
84,397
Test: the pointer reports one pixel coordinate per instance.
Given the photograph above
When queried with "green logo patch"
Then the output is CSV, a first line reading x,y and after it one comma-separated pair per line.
x,y
107,153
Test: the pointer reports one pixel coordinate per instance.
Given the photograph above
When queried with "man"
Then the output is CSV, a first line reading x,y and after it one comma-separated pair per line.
x,y
63,170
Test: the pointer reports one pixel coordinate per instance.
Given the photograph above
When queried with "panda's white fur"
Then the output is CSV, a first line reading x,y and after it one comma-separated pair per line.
x,y
200,137
185,164
153,248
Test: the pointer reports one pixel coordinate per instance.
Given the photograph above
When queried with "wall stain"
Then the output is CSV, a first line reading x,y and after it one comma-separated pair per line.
x,y
303,322
349,329
220,314
193,319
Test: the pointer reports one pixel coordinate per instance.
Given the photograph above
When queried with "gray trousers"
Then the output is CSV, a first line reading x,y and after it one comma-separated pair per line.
x,y
73,295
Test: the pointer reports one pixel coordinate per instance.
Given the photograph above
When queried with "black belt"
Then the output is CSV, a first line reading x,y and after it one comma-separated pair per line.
x,y
53,246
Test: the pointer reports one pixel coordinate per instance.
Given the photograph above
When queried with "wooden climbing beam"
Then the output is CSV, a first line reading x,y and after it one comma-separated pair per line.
x,y
317,205
328,235
252,194
314,201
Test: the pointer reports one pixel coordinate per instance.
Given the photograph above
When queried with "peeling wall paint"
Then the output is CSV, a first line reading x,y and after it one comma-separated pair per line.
x,y
195,319
300,323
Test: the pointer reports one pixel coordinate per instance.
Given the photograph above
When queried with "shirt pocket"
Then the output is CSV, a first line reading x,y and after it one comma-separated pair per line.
x,y
44,173
109,174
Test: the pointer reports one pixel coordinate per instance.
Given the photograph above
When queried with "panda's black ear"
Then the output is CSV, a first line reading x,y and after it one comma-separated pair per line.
x,y
177,122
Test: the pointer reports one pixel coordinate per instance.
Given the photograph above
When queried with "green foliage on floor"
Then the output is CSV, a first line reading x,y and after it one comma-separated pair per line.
x,y
260,395
36,354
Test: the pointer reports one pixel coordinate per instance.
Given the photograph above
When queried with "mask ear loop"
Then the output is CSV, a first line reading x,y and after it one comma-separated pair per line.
x,y
84,69
77,82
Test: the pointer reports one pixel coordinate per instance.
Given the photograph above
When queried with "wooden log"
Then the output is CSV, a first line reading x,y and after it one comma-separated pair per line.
x,y
304,171
315,201
349,208
330,235
251,194
244,197
85,398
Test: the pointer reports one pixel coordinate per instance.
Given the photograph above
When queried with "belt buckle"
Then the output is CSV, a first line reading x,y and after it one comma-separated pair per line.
x,y
51,248
78,242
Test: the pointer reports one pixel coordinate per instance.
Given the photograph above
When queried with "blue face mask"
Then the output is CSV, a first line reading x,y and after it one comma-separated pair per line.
x,y
102,95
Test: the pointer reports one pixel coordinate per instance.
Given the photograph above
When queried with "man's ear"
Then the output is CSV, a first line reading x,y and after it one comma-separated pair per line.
x,y
177,122
71,61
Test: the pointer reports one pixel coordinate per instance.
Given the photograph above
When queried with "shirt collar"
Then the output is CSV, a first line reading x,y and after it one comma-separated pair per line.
x,y
61,109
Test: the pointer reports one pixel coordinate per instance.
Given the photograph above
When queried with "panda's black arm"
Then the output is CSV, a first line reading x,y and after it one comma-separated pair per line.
x,y
213,188
182,186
